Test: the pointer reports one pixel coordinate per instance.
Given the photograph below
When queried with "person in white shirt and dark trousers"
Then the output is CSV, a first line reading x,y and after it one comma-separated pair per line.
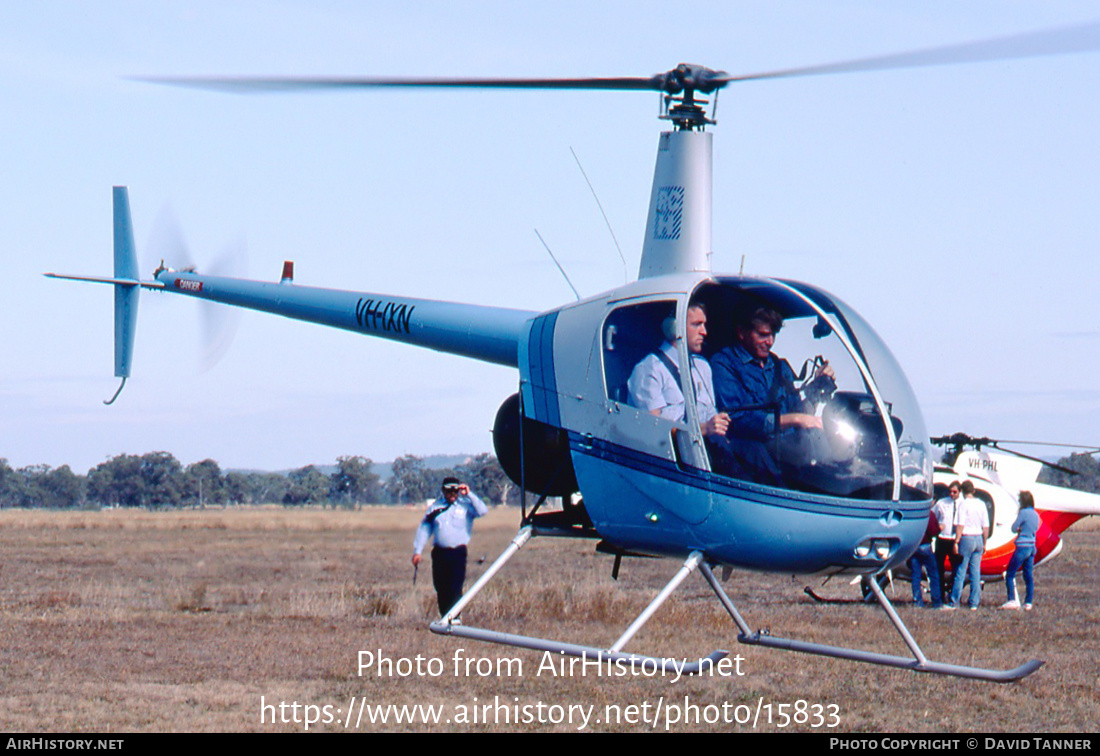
x,y
449,522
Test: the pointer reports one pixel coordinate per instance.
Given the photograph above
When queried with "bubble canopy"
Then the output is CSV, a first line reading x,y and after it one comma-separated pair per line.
x,y
822,407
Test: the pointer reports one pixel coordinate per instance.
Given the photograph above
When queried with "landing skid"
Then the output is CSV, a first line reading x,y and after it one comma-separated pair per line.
x,y
918,663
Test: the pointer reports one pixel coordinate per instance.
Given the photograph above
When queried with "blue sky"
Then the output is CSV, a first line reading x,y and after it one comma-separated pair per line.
x,y
954,207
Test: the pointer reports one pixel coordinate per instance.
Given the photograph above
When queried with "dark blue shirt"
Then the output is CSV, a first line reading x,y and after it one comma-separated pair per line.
x,y
741,381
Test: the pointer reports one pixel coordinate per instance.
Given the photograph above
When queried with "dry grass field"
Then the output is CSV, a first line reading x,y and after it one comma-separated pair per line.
x,y
190,621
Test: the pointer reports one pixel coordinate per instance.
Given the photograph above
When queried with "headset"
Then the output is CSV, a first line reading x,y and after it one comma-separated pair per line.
x,y
668,328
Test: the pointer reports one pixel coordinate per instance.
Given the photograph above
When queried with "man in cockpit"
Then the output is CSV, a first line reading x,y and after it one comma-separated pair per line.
x,y
654,384
757,389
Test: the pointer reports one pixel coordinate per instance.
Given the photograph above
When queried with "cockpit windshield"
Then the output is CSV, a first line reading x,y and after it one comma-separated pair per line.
x,y
815,401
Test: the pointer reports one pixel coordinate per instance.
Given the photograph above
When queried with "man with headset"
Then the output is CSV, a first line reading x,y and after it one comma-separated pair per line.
x,y
654,384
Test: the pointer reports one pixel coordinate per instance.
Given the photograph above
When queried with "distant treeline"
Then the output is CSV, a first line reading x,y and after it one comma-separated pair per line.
x,y
158,479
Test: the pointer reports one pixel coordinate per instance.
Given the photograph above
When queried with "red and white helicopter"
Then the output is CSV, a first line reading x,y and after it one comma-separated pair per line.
x,y
999,475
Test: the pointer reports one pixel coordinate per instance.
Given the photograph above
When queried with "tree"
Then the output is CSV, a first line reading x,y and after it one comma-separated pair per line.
x,y
54,488
237,488
203,483
354,482
151,480
11,486
1087,478
116,482
267,487
411,481
307,485
162,480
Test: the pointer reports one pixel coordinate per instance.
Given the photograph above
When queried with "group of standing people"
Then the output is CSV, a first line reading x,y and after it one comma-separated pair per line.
x,y
959,528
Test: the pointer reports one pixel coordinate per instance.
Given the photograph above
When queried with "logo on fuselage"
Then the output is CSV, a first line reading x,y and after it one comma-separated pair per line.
x,y
670,211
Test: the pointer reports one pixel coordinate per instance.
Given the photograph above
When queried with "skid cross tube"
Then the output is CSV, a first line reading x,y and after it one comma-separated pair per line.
x,y
917,664
446,624
693,561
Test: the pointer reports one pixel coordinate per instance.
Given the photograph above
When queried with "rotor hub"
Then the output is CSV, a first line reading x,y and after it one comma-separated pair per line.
x,y
680,87
688,77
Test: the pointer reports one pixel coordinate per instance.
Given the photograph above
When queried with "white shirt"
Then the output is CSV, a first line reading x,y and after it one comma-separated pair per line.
x,y
971,517
452,527
652,387
944,510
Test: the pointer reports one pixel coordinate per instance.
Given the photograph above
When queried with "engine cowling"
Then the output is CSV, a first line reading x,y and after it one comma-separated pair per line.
x,y
546,466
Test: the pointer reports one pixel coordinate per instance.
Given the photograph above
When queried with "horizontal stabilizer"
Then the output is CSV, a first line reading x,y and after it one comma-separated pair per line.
x,y
103,279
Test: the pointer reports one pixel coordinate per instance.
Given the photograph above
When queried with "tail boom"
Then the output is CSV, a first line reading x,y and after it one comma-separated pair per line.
x,y
490,334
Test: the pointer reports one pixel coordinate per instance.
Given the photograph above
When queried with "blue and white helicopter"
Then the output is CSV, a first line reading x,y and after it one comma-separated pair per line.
x,y
637,483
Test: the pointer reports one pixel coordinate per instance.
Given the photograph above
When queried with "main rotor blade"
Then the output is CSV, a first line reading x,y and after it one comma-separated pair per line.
x,y
245,84
1060,41
959,440
1052,465
685,77
1081,447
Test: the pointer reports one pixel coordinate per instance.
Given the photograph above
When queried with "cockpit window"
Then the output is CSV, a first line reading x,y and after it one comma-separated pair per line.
x,y
814,401
631,334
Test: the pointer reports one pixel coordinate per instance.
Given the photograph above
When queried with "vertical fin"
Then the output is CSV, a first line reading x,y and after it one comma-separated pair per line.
x,y
126,295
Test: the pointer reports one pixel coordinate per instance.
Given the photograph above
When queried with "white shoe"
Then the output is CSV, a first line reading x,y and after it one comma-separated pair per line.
x,y
1027,607
1013,604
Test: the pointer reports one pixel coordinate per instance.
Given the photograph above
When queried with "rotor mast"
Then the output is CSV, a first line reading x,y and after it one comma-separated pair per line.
x,y
679,223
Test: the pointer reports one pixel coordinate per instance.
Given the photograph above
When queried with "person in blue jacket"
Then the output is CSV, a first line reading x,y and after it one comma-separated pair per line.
x,y
1025,526
757,389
